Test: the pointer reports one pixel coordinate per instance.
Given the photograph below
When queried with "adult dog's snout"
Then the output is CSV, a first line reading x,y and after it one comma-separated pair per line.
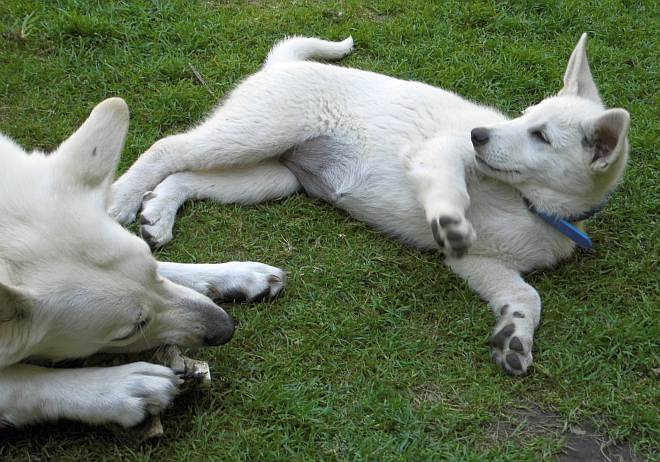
x,y
479,136
219,327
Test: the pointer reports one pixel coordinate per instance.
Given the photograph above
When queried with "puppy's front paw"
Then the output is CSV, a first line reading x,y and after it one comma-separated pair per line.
x,y
247,281
156,220
453,233
512,341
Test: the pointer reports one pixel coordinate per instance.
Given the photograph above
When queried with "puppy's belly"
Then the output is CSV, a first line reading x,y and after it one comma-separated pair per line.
x,y
373,189
327,167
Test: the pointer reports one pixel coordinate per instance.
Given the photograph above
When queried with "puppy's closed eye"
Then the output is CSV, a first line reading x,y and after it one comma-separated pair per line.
x,y
540,135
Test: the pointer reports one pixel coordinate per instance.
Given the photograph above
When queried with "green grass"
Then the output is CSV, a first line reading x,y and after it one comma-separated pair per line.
x,y
376,351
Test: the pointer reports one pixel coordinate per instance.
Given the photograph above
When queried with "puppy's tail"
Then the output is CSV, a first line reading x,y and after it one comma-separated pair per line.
x,y
303,48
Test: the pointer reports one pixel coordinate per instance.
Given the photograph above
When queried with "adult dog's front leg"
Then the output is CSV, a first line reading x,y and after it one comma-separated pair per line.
x,y
228,282
516,305
123,395
436,169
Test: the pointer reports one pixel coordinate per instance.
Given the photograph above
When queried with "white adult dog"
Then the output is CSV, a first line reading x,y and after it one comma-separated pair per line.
x,y
74,282
498,196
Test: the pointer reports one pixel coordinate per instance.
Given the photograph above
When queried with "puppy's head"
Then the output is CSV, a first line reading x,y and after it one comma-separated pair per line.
x,y
564,154
73,281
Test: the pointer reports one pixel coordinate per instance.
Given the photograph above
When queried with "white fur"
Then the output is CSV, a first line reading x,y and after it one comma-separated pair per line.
x,y
74,282
404,157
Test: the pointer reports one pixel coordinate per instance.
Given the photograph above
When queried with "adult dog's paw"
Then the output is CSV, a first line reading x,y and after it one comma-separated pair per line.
x,y
512,341
245,281
128,394
453,233
156,219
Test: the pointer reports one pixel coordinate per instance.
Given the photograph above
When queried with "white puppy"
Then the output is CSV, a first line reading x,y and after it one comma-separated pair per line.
x,y
498,196
74,282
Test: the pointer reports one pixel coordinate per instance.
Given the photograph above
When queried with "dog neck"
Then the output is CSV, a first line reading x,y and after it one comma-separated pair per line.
x,y
567,225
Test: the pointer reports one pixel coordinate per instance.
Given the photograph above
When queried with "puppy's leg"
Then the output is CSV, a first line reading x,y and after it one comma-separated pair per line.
x,y
260,120
436,169
516,305
228,282
124,395
268,180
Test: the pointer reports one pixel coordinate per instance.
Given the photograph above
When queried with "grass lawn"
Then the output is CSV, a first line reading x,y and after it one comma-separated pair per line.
x,y
376,351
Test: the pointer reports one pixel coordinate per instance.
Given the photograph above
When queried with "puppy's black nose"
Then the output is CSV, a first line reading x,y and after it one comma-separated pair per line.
x,y
479,136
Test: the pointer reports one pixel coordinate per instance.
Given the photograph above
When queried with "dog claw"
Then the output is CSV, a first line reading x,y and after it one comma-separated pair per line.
x,y
436,234
274,279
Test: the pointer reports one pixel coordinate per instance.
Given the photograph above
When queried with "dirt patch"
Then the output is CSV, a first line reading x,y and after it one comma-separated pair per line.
x,y
580,443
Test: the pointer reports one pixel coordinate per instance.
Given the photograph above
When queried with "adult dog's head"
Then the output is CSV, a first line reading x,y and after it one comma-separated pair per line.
x,y
72,280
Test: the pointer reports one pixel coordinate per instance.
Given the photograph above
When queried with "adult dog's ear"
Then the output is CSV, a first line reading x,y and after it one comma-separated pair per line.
x,y
606,135
89,157
577,78
13,303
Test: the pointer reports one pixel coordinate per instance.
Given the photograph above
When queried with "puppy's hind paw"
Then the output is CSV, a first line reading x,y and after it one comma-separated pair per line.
x,y
124,206
156,220
453,233
121,215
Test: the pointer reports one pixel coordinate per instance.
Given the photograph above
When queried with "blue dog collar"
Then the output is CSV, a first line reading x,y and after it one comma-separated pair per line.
x,y
565,225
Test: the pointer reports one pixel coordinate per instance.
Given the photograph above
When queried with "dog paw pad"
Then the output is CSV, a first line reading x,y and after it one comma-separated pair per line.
x,y
446,221
513,361
516,345
229,296
499,339
263,296
454,234
512,344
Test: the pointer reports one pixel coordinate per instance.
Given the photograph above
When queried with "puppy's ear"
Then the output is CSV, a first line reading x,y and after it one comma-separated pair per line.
x,y
607,136
577,78
13,303
89,157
